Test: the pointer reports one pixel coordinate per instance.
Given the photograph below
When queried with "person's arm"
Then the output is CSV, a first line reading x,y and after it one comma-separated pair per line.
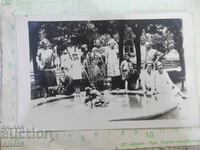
x,y
155,83
176,90
39,60
171,84
137,81
106,56
126,85
137,84
38,57
159,55
122,66
142,77
168,80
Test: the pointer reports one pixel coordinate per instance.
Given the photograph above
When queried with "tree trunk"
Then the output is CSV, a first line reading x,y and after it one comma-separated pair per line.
x,y
138,53
137,29
121,30
33,40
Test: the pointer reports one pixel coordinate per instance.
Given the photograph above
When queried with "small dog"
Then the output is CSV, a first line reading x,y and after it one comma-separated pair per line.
x,y
94,96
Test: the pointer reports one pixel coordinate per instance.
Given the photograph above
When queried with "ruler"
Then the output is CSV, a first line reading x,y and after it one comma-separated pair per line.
x,y
104,139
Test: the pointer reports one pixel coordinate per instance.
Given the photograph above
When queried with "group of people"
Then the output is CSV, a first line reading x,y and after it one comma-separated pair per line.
x,y
154,80
100,64
101,68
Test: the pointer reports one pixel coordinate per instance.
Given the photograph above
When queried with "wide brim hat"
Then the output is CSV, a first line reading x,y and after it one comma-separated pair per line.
x,y
111,41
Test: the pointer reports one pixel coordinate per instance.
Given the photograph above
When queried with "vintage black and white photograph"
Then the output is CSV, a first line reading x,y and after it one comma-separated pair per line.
x,y
106,73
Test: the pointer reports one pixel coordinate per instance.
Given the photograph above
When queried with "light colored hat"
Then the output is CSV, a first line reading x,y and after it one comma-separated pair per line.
x,y
171,45
44,41
148,43
111,41
84,46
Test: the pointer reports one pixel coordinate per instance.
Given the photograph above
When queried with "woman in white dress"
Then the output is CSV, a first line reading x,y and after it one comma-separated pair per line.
x,y
112,62
147,78
163,84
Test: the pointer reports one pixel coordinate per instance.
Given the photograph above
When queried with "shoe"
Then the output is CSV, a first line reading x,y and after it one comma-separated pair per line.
x,y
45,95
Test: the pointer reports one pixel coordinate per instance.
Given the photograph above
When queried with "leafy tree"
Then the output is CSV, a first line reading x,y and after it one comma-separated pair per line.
x,y
76,33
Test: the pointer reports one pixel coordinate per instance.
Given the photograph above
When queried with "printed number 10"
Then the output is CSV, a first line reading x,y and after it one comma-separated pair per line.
x,y
149,134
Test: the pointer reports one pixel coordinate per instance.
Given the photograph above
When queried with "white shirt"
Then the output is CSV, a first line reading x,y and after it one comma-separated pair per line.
x,y
45,58
66,61
77,69
147,80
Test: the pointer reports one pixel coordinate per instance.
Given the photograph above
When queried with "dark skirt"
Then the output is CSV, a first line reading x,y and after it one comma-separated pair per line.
x,y
47,78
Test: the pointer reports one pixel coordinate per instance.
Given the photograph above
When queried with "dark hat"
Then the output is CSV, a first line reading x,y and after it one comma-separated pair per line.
x,y
149,62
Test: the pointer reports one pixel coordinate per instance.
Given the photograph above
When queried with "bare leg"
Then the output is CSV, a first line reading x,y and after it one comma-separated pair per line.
x,y
45,92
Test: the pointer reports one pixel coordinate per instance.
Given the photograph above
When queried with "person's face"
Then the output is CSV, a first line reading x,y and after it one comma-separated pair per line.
x,y
160,67
149,68
112,45
131,68
45,45
148,46
84,49
127,58
97,43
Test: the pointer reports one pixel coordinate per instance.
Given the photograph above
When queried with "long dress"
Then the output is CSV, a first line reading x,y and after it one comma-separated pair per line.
x,y
112,62
164,84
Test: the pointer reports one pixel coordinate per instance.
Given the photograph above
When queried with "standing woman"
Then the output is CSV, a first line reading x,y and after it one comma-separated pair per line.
x,y
112,62
99,74
44,59
147,78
